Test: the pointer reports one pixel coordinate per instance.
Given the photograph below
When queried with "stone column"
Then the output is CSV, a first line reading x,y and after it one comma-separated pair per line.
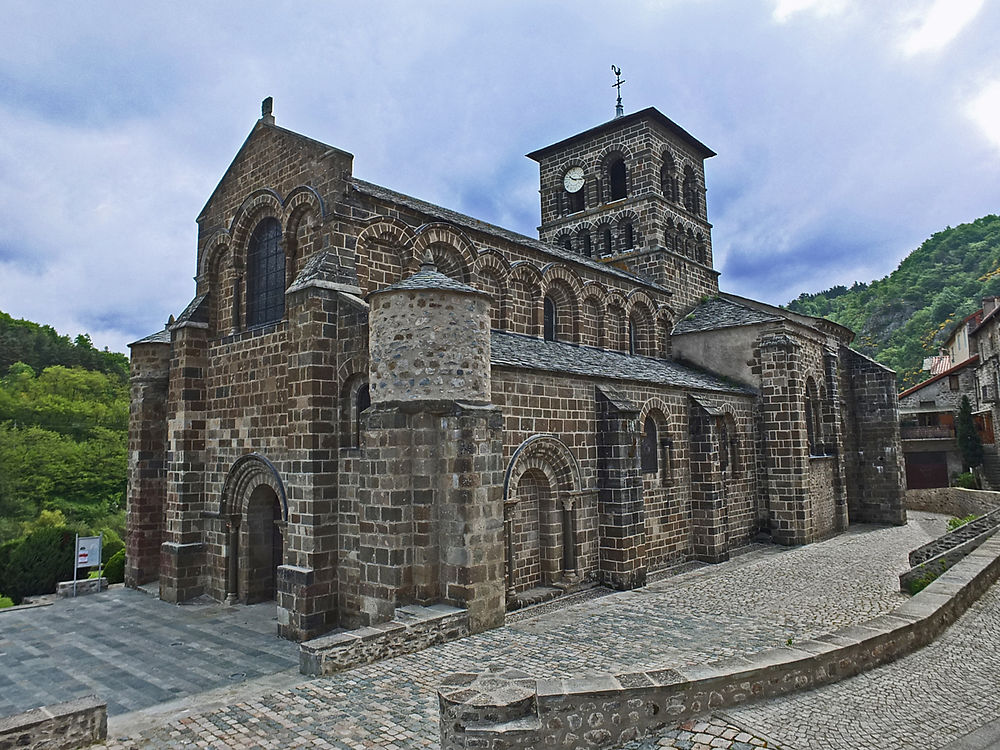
x,y
147,459
182,552
620,506
307,581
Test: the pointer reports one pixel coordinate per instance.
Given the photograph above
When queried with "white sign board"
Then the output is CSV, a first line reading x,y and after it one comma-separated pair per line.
x,y
88,551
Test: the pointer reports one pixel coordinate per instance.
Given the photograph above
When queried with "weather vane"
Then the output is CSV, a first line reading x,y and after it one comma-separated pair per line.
x,y
619,110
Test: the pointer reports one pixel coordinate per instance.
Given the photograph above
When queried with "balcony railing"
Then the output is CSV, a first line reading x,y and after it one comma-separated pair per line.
x,y
930,432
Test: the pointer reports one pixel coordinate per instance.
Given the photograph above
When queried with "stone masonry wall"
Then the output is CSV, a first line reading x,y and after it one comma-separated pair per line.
x,y
147,461
61,726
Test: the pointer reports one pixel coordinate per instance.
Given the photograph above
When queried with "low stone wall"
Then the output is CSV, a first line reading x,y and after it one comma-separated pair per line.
x,y
414,629
511,711
79,723
83,586
967,532
952,501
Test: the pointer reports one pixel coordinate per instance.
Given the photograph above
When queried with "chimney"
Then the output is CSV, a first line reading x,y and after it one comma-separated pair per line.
x,y
266,111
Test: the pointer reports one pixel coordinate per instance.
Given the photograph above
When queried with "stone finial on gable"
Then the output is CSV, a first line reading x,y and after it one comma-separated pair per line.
x,y
267,111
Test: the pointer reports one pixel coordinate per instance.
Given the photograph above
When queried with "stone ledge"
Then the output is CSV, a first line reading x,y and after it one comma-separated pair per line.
x,y
604,711
414,629
77,723
83,586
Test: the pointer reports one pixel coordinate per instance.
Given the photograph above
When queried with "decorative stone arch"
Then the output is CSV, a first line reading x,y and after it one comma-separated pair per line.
x,y
221,285
585,239
453,251
664,328
304,210
692,191
219,242
603,163
260,204
701,249
491,274
561,287
541,485
668,176
813,414
592,298
624,222
564,240
604,238
526,298
730,451
658,459
615,321
641,324
383,250
255,506
354,399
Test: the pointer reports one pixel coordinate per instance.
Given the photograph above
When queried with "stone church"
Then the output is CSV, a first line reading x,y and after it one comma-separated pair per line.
x,y
373,401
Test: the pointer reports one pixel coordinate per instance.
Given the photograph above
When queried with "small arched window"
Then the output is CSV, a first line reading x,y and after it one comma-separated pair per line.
x,y
616,179
265,275
629,237
567,242
574,201
691,202
363,400
650,444
549,320
588,247
606,245
633,346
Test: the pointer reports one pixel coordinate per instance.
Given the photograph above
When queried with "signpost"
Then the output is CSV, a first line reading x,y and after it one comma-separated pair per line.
x,y
88,554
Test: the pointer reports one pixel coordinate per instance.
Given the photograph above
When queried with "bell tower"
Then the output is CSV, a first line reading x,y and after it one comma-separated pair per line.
x,y
631,193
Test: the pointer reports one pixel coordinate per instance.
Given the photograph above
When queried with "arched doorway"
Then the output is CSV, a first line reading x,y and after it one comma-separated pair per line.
x,y
262,546
536,547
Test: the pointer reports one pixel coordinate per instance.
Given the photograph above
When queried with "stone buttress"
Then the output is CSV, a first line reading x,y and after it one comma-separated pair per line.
x,y
430,495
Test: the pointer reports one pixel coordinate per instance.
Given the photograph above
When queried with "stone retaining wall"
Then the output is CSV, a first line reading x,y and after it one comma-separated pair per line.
x,y
414,629
78,723
82,587
967,532
952,501
512,711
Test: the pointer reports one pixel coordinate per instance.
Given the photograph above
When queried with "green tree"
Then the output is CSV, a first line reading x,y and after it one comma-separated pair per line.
x,y
969,443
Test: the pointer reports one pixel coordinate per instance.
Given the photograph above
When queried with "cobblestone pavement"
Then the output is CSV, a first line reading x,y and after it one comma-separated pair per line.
x,y
755,601
132,650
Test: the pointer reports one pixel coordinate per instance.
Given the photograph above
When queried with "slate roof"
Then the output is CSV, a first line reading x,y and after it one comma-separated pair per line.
x,y
445,214
160,337
324,266
516,350
721,313
428,277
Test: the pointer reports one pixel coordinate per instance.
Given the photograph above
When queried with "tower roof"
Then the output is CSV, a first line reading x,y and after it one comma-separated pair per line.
x,y
651,113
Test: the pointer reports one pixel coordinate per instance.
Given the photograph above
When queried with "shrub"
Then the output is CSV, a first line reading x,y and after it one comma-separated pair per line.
x,y
966,481
40,561
6,601
954,523
110,545
114,571
929,574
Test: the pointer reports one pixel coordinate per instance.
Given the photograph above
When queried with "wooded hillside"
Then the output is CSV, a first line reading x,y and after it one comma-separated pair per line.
x,y
904,317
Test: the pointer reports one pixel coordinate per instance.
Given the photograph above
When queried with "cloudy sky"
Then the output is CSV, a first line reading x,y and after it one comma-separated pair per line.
x,y
847,130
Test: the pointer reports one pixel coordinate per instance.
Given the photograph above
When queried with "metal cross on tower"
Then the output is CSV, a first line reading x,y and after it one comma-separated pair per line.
x,y
619,110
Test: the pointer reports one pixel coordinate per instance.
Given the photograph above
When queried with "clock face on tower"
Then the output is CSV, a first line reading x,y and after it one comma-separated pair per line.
x,y
573,180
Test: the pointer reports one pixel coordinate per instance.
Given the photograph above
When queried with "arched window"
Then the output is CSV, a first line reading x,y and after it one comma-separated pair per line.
x,y
691,202
567,242
633,345
588,247
363,400
606,246
649,447
574,201
668,179
549,320
265,274
814,416
616,179
629,236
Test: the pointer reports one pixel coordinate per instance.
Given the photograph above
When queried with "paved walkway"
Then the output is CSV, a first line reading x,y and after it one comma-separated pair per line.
x,y
133,650
755,601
